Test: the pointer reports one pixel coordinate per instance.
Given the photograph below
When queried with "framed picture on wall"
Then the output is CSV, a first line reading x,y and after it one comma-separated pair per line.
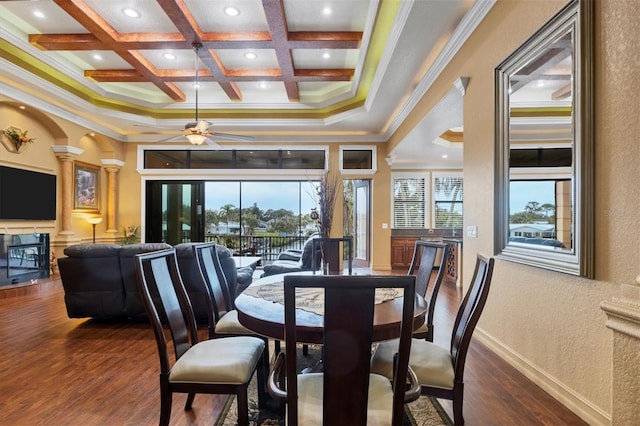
x,y
86,185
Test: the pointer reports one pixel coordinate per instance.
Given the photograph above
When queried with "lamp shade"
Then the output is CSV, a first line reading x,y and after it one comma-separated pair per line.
x,y
196,139
94,220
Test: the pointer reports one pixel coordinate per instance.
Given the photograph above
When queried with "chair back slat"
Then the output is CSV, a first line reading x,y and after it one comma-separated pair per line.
x,y
349,305
158,275
213,276
347,351
427,253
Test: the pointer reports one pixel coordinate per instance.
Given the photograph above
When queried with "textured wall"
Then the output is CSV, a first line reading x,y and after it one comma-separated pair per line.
x,y
551,323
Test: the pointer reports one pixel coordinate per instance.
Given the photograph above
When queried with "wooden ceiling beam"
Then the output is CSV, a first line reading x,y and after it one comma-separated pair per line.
x,y
88,18
129,47
274,11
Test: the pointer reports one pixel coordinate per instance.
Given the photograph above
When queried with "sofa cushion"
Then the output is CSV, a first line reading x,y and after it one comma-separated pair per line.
x,y
92,250
91,279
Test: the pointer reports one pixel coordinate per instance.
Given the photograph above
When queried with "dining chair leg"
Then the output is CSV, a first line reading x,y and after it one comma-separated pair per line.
x,y
165,405
190,398
458,419
263,373
243,406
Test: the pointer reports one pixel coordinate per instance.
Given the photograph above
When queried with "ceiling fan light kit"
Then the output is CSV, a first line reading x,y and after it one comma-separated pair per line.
x,y
198,132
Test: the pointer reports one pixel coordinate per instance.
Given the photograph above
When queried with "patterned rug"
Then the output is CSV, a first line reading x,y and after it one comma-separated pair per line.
x,y
423,412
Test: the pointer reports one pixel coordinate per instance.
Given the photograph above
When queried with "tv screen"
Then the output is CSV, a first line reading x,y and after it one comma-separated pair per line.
x,y
27,195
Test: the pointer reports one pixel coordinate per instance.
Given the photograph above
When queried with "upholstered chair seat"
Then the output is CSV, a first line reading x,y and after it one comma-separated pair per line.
x,y
432,364
231,360
310,395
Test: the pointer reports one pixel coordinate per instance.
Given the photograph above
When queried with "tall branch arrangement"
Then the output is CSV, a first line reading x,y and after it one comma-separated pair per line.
x,y
328,190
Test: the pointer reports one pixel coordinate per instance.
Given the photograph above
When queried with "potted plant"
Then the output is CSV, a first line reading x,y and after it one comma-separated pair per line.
x,y
327,195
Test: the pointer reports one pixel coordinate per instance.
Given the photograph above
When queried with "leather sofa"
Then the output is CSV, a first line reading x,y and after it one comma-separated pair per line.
x,y
100,280
237,278
285,263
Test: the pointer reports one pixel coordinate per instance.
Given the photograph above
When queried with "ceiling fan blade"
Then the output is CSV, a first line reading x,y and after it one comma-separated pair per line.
x,y
232,136
202,125
212,144
172,138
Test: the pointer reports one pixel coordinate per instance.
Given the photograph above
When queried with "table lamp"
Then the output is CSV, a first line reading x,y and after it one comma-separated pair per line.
x,y
94,221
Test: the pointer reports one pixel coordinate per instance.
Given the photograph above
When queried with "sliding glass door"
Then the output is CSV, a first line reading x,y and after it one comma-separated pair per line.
x,y
174,212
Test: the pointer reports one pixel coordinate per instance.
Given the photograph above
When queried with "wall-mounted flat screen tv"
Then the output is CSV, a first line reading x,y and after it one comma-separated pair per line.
x,y
27,195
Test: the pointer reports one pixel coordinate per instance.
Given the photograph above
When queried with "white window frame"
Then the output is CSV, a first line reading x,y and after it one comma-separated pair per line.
x,y
374,159
434,176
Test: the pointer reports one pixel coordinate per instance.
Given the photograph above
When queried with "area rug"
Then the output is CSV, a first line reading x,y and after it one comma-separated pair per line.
x,y
425,411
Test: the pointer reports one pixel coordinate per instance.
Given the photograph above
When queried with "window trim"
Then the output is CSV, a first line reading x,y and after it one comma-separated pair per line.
x,y
434,176
427,196
252,173
374,159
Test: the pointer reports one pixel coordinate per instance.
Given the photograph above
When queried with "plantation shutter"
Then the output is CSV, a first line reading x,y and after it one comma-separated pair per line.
x,y
409,202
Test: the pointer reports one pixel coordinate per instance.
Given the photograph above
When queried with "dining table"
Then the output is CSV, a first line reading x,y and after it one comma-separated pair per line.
x,y
260,308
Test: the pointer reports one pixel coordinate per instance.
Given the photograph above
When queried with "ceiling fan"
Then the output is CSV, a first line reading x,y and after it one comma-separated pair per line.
x,y
199,131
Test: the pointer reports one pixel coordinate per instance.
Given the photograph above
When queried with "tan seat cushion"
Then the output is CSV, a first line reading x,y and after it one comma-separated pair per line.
x,y
422,329
229,324
431,363
379,411
228,360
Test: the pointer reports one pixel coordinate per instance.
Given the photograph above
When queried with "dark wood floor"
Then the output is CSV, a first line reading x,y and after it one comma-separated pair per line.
x,y
60,371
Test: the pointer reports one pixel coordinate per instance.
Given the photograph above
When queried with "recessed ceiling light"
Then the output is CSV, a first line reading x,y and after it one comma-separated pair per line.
x,y
196,85
445,156
263,85
131,13
231,11
327,11
169,56
22,107
250,55
92,134
97,57
540,83
38,14
326,55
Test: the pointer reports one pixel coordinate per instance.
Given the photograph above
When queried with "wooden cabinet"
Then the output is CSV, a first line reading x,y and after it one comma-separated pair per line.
x,y
402,252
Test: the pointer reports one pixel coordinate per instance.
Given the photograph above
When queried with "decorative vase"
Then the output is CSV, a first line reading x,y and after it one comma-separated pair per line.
x,y
331,256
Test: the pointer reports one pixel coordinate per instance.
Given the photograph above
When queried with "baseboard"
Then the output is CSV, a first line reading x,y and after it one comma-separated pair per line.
x,y
567,397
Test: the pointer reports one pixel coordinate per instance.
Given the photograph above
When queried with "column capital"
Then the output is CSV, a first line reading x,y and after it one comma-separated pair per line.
x,y
112,163
66,152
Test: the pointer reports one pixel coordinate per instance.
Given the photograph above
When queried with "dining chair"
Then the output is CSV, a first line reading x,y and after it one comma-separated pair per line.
x,y
215,366
222,317
345,392
425,259
440,370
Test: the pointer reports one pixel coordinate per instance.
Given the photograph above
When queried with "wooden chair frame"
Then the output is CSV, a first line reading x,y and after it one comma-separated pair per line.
x,y
348,324
219,300
463,327
422,265
158,274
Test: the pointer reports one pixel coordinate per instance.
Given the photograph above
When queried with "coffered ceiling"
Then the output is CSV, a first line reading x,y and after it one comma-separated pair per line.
x,y
279,70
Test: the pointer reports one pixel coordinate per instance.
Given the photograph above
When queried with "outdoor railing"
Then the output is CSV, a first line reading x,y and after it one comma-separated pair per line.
x,y
268,247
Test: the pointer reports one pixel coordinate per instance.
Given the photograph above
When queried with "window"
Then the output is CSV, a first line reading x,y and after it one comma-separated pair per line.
x,y
358,159
256,159
411,195
409,201
447,201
